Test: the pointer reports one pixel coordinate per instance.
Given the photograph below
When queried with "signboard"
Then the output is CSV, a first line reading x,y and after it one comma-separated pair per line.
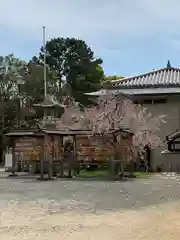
x,y
92,148
8,160
27,148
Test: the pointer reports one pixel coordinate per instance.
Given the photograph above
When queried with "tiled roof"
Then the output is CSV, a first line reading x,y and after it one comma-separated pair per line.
x,y
172,136
164,77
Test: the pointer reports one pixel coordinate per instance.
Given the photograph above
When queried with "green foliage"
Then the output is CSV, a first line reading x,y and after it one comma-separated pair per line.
x,y
71,70
106,81
12,70
18,83
74,65
33,87
114,77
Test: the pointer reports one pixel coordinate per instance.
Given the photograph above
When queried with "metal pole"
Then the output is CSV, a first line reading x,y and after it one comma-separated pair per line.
x,y
19,107
44,47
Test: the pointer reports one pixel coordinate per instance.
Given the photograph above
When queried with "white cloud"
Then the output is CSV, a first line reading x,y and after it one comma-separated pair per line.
x,y
93,20
88,18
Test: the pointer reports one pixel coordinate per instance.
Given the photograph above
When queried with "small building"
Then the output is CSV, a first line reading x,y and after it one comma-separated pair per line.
x,y
33,147
171,156
159,91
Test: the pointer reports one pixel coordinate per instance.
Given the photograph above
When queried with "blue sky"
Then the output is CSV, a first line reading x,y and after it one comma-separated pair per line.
x,y
131,36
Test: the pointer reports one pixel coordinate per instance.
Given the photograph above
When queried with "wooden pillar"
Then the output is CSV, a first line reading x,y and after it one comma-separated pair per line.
x,y
55,155
61,156
49,156
42,159
74,156
49,167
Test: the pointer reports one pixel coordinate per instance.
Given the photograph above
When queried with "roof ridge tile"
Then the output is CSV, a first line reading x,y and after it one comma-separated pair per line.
x,y
163,76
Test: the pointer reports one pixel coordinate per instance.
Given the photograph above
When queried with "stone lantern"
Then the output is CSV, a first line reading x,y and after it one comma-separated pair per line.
x,y
52,110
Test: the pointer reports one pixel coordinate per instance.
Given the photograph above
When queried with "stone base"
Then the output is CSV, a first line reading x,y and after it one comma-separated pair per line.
x,y
45,179
13,175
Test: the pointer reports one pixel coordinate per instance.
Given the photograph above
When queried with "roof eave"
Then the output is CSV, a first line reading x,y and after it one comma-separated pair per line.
x,y
138,91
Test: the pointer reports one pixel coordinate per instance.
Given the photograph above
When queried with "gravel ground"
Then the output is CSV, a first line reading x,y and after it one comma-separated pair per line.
x,y
32,209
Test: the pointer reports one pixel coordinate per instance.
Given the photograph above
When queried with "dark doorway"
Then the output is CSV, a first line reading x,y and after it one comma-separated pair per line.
x,y
148,155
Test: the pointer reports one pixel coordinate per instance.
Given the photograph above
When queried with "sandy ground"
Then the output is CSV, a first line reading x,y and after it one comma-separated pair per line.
x,y
158,222
143,209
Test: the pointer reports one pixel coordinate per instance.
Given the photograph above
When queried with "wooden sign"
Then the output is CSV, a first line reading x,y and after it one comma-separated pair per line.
x,y
27,148
92,148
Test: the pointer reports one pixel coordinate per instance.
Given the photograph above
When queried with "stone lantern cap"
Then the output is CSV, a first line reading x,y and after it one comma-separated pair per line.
x,y
49,102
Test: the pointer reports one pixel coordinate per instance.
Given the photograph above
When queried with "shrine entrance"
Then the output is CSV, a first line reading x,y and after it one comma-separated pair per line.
x,y
148,156
144,159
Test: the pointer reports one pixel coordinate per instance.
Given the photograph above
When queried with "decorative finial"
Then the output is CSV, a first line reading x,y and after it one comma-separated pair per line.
x,y
168,64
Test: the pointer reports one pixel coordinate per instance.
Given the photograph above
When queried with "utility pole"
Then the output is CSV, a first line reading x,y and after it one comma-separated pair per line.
x,y
20,82
44,47
18,107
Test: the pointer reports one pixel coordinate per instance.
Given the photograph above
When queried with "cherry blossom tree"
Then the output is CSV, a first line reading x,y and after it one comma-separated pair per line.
x,y
73,117
114,112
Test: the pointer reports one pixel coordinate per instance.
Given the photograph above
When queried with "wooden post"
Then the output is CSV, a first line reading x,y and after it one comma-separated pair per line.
x,y
42,159
131,172
49,158
69,173
177,167
111,166
61,169
162,167
74,156
61,157
49,167
171,167
122,169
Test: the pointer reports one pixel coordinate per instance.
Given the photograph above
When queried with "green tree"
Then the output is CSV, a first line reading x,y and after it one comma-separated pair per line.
x,y
12,70
33,87
106,81
33,90
19,90
73,62
113,77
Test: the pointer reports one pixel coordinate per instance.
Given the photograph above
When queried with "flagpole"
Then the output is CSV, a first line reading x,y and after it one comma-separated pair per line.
x,y
44,47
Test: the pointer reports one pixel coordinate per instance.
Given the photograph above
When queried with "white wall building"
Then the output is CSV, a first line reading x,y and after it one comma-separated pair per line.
x,y
159,91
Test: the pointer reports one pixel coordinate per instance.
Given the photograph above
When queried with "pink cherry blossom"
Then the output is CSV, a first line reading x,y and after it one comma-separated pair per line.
x,y
110,113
